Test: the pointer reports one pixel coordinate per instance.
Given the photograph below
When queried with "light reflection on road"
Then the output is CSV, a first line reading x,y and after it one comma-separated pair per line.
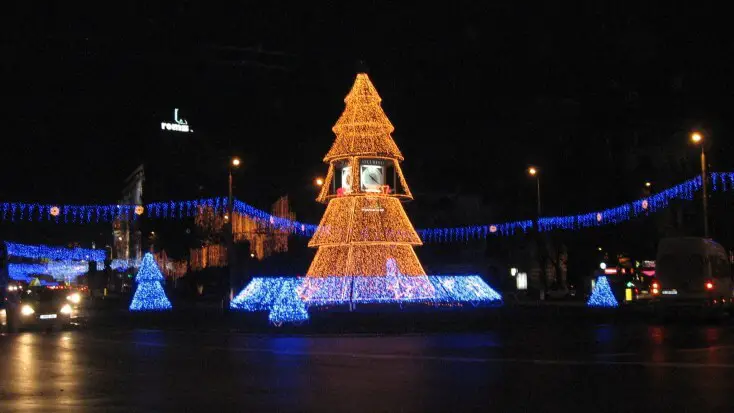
x,y
516,368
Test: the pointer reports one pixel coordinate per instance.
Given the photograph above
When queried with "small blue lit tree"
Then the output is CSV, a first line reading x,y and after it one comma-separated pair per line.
x,y
602,295
149,294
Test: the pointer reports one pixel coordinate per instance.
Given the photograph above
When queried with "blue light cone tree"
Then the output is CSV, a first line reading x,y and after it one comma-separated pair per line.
x,y
149,294
602,295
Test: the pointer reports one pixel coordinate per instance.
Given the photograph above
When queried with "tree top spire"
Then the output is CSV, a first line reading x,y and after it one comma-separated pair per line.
x,y
363,129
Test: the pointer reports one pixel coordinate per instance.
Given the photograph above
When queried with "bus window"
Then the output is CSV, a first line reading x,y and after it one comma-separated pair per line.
x,y
719,267
694,268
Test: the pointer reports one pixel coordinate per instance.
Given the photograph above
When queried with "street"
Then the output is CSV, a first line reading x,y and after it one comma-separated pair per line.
x,y
548,367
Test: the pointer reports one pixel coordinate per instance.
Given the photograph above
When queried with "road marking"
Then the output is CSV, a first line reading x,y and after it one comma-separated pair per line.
x,y
704,349
615,354
455,359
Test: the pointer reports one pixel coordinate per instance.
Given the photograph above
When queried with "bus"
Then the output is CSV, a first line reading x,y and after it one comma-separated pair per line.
x,y
692,271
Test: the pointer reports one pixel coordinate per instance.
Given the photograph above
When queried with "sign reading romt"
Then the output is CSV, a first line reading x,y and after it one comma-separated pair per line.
x,y
180,126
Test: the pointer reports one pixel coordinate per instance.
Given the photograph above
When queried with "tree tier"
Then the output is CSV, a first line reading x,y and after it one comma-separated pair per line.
x,y
363,128
350,219
364,260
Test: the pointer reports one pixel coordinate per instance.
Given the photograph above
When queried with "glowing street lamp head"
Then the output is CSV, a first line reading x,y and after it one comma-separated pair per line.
x,y
696,137
532,171
235,161
319,181
648,184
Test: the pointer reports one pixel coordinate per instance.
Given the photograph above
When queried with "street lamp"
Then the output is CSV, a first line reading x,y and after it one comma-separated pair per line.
x,y
234,163
533,171
648,184
697,139
319,181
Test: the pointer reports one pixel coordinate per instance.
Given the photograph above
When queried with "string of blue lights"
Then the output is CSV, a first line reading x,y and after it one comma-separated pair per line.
x,y
54,253
59,270
86,214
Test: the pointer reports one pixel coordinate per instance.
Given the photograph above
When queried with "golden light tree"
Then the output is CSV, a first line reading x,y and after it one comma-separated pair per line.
x,y
365,226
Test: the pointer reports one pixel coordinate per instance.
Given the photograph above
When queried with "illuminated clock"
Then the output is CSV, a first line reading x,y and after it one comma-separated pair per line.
x,y
371,178
347,179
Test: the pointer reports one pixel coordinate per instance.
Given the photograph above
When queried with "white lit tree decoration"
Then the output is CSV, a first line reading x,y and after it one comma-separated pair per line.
x,y
602,294
149,294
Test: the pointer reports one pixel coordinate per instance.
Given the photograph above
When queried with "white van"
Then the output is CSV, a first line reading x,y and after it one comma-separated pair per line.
x,y
692,271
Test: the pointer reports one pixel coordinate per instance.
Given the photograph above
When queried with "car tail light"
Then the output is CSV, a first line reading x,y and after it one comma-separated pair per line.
x,y
709,285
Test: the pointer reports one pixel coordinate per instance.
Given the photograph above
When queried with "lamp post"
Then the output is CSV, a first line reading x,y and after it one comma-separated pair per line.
x,y
697,138
234,163
533,171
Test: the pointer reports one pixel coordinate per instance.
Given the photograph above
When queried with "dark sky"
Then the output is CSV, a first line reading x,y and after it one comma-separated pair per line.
x,y
599,97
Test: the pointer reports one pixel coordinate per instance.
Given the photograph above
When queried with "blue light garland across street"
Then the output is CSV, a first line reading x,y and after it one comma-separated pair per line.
x,y
85,214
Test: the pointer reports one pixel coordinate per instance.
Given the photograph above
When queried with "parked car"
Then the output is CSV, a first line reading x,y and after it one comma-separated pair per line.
x,y
559,292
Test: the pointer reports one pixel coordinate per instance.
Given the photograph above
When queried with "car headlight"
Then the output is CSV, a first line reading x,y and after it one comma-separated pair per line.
x,y
27,310
66,309
74,298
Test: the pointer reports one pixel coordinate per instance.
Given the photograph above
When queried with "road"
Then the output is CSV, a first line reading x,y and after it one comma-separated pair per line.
x,y
539,368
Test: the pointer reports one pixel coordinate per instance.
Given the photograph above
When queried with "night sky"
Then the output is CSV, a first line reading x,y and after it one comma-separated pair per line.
x,y
600,98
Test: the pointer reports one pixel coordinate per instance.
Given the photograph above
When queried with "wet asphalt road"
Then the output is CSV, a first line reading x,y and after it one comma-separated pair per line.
x,y
541,368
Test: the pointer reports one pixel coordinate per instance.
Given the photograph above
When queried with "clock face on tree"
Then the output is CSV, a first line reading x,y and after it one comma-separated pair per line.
x,y
372,178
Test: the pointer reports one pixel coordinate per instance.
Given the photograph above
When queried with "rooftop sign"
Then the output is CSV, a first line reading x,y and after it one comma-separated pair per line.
x,y
180,126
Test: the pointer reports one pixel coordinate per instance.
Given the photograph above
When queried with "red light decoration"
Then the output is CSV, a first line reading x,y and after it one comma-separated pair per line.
x,y
709,285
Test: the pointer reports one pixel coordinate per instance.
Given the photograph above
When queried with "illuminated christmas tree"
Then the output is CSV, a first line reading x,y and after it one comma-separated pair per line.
x,y
602,295
149,294
364,229
365,240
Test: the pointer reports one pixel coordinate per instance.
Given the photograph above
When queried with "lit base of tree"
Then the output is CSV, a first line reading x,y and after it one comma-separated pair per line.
x,y
286,298
602,295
